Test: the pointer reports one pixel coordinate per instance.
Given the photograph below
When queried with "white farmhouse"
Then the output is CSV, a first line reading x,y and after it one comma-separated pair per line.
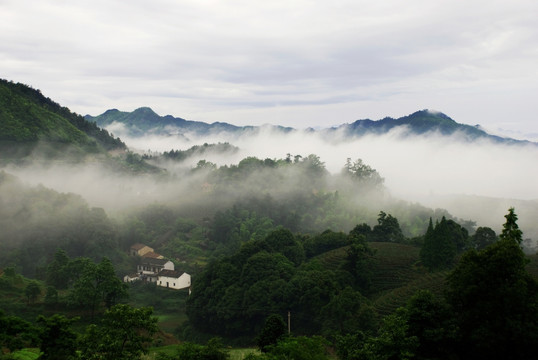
x,y
173,279
149,266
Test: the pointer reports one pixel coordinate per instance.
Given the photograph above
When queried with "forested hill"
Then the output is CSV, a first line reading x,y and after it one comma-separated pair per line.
x,y
28,118
419,123
144,120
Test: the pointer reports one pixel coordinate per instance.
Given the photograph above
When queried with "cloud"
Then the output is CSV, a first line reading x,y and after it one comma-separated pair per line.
x,y
211,60
414,166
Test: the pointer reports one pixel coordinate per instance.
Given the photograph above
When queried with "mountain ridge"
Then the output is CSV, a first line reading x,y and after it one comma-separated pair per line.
x,y
144,120
29,119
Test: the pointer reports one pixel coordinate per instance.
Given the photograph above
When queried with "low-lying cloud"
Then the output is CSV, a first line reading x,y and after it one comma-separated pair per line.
x,y
473,180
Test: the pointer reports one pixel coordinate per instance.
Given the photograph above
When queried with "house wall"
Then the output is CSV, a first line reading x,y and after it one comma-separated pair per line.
x,y
142,251
154,269
184,281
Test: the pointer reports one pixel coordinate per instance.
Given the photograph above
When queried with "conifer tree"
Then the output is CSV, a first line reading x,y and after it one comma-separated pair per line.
x,y
510,228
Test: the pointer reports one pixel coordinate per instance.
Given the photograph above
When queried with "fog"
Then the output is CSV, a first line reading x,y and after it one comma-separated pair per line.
x,y
414,167
472,180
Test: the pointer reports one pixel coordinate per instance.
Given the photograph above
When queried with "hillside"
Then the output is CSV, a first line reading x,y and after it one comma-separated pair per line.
x,y
144,121
29,119
420,123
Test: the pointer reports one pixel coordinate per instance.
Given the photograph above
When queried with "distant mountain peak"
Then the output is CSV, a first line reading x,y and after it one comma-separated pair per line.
x,y
144,120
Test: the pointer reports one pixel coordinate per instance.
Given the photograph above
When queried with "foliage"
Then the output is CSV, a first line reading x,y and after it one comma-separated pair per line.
x,y
296,348
213,350
58,339
326,241
348,312
273,330
32,291
97,284
483,237
363,173
496,301
358,261
123,333
16,333
36,222
439,249
511,230
198,150
431,321
28,116
387,229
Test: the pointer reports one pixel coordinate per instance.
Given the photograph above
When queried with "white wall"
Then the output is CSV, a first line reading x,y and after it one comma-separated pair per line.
x,y
184,281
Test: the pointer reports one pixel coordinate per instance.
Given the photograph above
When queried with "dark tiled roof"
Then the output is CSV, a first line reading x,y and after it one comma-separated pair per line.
x,y
170,273
138,246
152,255
150,261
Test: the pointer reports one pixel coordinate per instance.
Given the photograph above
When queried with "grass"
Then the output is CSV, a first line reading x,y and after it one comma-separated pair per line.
x,y
26,354
170,350
240,354
168,304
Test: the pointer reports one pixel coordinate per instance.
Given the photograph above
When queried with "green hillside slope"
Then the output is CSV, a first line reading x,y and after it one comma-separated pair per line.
x,y
27,118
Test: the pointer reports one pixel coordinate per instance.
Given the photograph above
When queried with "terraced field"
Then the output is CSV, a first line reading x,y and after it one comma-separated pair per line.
x,y
386,302
396,274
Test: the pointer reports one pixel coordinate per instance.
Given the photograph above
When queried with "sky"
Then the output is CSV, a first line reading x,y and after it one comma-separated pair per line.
x,y
294,63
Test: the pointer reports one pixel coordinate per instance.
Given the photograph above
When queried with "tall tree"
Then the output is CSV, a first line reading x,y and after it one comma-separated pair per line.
x,y
273,330
58,274
124,333
32,291
483,237
387,229
97,284
511,230
358,261
58,339
496,300
439,249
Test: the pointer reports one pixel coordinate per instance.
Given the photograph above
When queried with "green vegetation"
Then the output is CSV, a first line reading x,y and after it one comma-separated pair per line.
x,y
28,119
361,275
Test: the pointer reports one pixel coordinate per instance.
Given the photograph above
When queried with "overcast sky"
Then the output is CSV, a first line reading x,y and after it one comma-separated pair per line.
x,y
294,63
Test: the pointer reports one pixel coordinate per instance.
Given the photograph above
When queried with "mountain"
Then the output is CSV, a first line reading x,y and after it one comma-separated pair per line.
x,y
420,123
144,121
28,120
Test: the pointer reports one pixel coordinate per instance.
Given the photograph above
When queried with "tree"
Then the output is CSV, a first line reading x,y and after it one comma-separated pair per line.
x,y
511,229
431,321
348,312
15,333
393,340
58,340
58,274
387,229
439,250
483,237
123,333
365,174
214,350
51,296
273,330
496,300
358,261
32,291
299,348
98,283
